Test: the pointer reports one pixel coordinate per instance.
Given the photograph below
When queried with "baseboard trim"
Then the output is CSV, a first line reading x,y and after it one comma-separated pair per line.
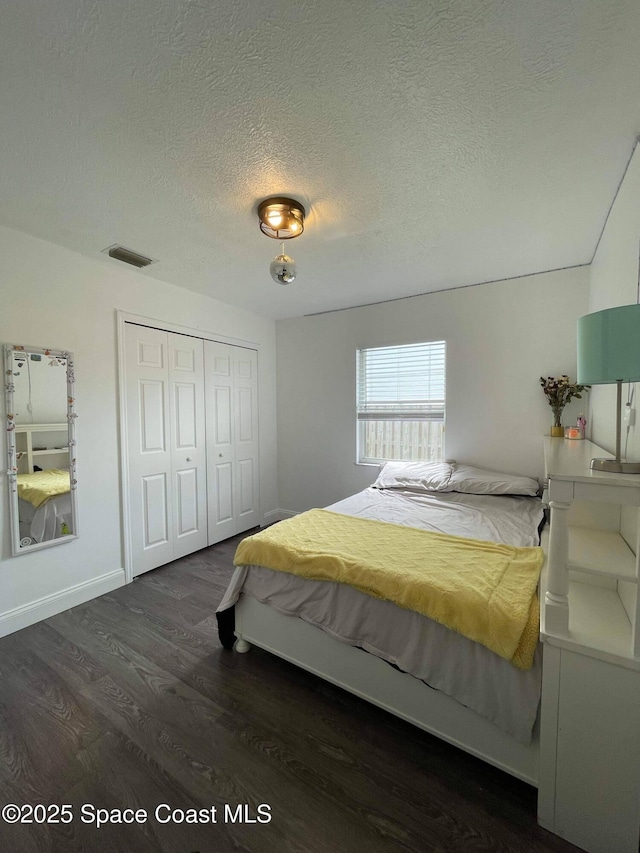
x,y
50,605
277,515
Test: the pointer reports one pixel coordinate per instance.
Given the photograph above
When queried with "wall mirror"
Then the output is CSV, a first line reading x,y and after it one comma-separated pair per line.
x,y
41,447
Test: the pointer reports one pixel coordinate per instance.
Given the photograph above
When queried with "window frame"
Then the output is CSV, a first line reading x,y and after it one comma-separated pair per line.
x,y
407,411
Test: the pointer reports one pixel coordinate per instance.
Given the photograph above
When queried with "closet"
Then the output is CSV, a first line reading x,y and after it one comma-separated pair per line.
x,y
190,425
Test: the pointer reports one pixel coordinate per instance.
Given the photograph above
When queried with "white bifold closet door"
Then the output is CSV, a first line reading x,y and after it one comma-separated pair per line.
x,y
166,445
232,439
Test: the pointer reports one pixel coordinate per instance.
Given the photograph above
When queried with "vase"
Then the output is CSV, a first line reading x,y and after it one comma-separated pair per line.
x,y
557,432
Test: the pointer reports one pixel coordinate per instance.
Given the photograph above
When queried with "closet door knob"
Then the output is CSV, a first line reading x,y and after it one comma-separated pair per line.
x,y
188,459
220,455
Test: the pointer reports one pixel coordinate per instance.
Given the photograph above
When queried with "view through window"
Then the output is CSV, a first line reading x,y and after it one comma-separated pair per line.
x,y
401,402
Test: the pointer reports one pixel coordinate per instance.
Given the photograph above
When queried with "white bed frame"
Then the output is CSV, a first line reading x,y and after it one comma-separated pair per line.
x,y
588,730
372,679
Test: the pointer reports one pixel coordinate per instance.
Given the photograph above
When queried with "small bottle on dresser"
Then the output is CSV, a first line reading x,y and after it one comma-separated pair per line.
x,y
578,431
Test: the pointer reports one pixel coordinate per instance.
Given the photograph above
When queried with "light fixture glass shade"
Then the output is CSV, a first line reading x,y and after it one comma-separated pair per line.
x,y
609,346
281,218
283,269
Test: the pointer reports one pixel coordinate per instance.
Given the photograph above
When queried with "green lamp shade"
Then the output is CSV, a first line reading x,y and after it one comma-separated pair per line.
x,y
609,346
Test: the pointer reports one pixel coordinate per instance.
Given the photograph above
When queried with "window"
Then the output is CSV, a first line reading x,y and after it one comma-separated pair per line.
x,y
401,402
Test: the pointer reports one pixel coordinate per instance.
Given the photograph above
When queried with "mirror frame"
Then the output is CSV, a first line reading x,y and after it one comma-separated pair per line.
x,y
17,546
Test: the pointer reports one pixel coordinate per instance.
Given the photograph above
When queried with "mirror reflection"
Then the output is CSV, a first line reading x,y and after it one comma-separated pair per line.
x,y
41,446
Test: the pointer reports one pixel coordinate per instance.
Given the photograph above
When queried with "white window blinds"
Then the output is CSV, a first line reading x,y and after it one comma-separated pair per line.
x,y
402,382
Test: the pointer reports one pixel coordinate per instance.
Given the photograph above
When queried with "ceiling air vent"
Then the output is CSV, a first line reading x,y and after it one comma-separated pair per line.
x,y
128,256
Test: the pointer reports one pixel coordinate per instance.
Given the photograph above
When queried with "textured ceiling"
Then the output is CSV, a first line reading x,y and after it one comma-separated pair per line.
x,y
434,144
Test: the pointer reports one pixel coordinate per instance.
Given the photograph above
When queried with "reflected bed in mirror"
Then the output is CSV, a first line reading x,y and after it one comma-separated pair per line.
x,y
41,447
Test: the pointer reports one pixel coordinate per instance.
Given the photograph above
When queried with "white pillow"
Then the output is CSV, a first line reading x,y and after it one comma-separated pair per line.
x,y
477,481
416,476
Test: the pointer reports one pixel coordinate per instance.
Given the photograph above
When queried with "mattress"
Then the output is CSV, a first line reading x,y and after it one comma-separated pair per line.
x,y
443,659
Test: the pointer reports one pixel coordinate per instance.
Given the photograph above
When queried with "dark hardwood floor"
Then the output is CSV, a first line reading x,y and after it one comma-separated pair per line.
x,y
129,702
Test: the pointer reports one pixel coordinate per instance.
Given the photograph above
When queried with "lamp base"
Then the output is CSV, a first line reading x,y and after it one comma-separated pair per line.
x,y
615,466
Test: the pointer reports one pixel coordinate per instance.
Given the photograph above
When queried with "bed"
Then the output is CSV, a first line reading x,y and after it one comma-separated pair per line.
x,y
402,660
44,505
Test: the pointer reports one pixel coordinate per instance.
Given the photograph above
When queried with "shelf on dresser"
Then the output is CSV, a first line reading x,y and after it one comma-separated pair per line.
x,y
40,434
600,564
57,427
598,625
598,620
601,552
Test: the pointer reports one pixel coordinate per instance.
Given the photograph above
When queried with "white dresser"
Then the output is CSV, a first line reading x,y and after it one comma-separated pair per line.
x,y
589,780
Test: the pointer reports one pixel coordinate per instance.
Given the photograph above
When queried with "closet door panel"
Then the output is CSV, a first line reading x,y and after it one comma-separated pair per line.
x,y
232,439
223,495
246,482
220,440
245,364
152,416
245,416
186,502
220,360
148,426
151,353
186,416
155,529
185,354
188,455
247,499
223,424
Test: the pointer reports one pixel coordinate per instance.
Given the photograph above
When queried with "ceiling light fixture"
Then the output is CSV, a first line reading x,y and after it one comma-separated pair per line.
x,y
281,218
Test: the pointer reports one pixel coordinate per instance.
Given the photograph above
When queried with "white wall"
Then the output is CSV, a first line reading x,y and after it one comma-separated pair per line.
x,y
501,337
614,281
59,299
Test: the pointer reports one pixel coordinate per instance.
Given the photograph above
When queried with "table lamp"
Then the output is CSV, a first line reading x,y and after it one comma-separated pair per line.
x,y
609,353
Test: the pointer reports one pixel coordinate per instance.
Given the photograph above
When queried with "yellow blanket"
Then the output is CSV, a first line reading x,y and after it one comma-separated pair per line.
x,y
483,590
38,487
